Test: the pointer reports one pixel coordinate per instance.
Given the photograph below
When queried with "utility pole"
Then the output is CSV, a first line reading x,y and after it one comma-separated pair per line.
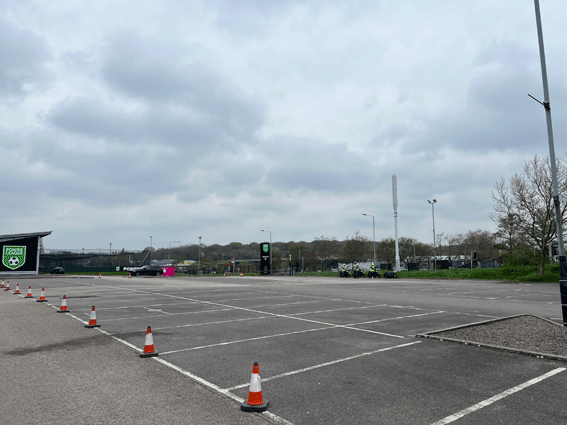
x,y
199,262
552,160
395,202
434,246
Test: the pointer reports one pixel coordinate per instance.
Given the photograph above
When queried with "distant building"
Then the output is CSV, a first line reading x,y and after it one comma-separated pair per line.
x,y
20,253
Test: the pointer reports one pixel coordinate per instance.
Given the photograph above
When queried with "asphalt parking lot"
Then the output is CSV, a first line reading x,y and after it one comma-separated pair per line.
x,y
330,350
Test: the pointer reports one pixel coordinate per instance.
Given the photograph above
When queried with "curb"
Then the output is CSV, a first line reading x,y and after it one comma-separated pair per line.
x,y
431,335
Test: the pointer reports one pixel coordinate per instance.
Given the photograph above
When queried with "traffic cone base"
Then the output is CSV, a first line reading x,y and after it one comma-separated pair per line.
x,y
63,308
92,322
256,402
42,296
149,350
254,407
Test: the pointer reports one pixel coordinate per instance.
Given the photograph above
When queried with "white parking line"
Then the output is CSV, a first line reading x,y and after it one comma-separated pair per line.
x,y
211,323
214,387
337,309
169,314
265,312
306,369
196,378
395,318
497,397
220,344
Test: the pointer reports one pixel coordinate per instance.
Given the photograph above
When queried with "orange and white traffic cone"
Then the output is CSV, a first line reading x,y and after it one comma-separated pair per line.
x,y
42,296
149,350
3,286
241,274
100,275
255,401
129,275
63,308
7,286
17,291
29,295
92,321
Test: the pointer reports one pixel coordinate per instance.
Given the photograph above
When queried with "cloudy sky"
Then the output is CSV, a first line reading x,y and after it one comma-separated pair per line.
x,y
121,120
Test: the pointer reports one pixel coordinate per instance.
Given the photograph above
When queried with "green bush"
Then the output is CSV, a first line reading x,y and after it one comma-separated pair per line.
x,y
519,273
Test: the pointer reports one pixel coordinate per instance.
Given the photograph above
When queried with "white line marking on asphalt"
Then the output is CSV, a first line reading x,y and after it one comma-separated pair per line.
x,y
295,303
306,369
157,310
255,298
196,378
170,314
336,309
395,318
266,312
497,397
220,344
217,388
212,323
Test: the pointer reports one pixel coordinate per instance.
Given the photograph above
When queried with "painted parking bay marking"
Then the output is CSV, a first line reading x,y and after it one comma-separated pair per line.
x,y
497,397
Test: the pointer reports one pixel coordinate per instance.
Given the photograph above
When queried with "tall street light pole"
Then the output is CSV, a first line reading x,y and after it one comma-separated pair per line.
x,y
270,232
199,262
150,251
434,246
373,236
547,106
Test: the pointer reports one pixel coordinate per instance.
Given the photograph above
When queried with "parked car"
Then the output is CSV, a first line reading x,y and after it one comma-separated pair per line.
x,y
58,270
148,270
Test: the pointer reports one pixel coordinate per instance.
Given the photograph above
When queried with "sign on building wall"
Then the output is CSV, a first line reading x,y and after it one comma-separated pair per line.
x,y
20,256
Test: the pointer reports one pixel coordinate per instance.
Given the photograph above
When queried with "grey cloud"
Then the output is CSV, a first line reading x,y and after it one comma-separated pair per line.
x,y
162,125
187,107
145,71
23,54
112,176
142,70
319,167
496,113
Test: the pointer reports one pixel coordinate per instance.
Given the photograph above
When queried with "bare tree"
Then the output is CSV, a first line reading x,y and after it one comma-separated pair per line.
x,y
526,205
386,250
481,241
453,243
324,247
355,248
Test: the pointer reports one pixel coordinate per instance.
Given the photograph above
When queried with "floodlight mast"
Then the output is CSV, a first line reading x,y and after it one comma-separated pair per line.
x,y
395,199
552,161
434,247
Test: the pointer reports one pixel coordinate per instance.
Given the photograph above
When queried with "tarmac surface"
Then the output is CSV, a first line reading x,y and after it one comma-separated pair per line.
x,y
330,350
